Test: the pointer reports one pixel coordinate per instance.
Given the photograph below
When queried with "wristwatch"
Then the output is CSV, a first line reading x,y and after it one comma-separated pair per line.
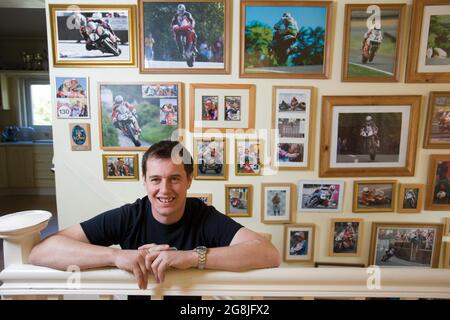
x,y
201,251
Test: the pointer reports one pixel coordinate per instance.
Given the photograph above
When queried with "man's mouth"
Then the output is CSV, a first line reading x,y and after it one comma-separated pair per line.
x,y
165,199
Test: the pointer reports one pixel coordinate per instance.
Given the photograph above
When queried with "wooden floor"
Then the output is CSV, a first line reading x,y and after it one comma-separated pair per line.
x,y
16,203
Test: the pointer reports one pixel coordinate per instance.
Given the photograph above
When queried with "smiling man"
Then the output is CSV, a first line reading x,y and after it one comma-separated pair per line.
x,y
162,230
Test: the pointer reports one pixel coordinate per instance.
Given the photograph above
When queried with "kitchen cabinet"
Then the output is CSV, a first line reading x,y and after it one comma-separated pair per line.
x,y
3,169
20,166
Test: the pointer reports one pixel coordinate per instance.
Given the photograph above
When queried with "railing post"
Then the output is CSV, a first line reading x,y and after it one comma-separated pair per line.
x,y
21,231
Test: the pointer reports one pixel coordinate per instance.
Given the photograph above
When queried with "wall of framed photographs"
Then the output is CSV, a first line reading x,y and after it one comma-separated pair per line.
x,y
281,185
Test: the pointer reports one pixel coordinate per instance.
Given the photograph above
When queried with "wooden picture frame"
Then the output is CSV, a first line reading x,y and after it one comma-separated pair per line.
x,y
249,159
428,60
159,110
397,244
410,198
374,196
264,57
437,130
349,149
209,106
69,46
447,227
298,243
437,196
447,255
357,64
120,167
277,202
80,136
158,50
210,159
320,196
346,236
72,98
205,197
239,200
293,127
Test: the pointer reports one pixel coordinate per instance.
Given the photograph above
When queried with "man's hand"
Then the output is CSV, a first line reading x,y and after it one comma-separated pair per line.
x,y
133,261
159,258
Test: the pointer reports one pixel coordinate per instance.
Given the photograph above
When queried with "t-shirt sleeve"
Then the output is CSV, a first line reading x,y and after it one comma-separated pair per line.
x,y
107,228
219,229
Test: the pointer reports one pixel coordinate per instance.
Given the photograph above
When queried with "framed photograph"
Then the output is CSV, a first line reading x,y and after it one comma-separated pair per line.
x,y
429,48
405,244
210,159
447,255
133,116
120,167
410,198
374,195
93,35
72,98
437,131
249,157
299,242
373,37
320,196
438,186
447,227
277,202
239,200
80,136
369,136
293,118
345,235
222,108
285,39
185,37
205,197
337,265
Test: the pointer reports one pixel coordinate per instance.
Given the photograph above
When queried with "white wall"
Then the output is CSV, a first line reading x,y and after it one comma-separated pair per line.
x,y
82,192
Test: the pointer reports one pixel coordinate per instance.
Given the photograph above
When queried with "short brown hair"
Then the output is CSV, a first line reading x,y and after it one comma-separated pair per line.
x,y
164,150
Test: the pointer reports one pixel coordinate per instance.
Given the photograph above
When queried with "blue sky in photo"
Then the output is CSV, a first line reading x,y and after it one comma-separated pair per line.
x,y
305,16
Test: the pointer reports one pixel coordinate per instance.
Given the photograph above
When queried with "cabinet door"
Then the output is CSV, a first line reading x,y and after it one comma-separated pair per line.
x,y
3,168
20,167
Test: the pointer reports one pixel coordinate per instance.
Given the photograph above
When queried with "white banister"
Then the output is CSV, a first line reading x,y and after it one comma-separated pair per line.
x,y
20,232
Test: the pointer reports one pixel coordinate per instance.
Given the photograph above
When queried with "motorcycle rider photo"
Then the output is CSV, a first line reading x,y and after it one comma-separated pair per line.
x,y
183,24
373,37
120,108
369,130
95,24
284,35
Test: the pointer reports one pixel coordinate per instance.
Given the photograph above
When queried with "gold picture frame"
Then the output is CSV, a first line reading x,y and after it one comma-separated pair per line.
x,y
239,200
437,196
66,21
413,201
298,245
120,167
374,196
357,66
155,34
209,105
277,202
400,240
447,227
422,58
437,130
210,159
346,235
349,149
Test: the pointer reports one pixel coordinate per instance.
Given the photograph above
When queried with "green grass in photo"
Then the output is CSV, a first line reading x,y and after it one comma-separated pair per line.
x,y
359,71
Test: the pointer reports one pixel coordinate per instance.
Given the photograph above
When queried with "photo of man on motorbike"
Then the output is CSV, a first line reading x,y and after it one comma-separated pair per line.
x,y
284,35
372,40
210,158
124,118
345,237
369,132
183,27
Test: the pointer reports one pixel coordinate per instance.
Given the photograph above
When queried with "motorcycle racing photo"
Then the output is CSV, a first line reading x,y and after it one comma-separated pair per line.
x,y
316,196
374,196
345,240
87,36
209,159
138,115
184,35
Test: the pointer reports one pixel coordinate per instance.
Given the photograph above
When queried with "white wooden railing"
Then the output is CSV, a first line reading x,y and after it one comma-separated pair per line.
x,y
20,232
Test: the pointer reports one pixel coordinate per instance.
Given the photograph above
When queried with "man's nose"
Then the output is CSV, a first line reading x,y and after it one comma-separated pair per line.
x,y
164,185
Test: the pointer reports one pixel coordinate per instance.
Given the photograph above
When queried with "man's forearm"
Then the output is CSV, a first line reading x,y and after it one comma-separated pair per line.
x,y
59,252
252,254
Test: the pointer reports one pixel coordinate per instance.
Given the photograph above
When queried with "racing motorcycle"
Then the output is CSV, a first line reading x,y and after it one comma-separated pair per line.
x,y
102,39
410,199
342,242
319,197
185,37
204,166
371,142
281,46
371,45
126,125
389,254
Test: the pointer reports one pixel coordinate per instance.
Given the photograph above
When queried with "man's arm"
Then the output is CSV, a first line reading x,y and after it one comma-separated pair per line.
x,y
72,247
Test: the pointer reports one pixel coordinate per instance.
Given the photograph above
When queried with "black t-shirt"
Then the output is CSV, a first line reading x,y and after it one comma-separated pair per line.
x,y
133,225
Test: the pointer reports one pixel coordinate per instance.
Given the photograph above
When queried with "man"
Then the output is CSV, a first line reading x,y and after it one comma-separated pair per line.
x,y
148,228
122,107
276,204
183,24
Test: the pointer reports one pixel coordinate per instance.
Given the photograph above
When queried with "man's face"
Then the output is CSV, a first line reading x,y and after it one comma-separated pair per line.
x,y
166,184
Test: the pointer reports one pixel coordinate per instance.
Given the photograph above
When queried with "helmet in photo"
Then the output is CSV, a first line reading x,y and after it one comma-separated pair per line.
x,y
181,9
91,26
118,99
286,16
97,15
368,118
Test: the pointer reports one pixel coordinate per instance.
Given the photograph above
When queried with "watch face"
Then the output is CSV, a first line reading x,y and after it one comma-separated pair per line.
x,y
201,248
